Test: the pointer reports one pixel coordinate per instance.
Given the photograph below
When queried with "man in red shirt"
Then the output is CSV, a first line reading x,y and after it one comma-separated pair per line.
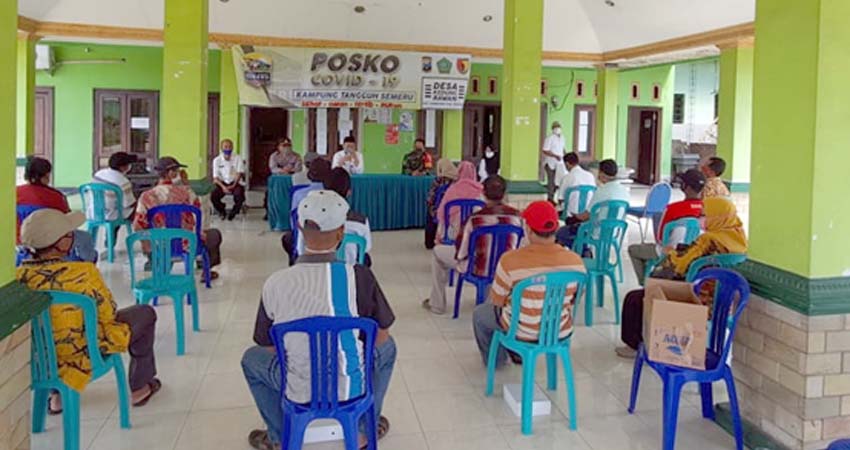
x,y
693,182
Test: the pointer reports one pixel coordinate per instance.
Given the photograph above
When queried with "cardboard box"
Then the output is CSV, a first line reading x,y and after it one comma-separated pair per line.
x,y
674,324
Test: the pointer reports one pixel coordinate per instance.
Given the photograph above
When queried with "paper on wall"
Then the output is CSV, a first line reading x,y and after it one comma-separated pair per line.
x,y
322,131
430,128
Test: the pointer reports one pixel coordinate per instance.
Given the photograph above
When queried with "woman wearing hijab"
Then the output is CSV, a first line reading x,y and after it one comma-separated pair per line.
x,y
446,175
724,234
466,187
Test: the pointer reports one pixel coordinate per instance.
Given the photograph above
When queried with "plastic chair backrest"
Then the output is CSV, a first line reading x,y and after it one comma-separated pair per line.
x,y
610,233
44,365
726,261
691,226
24,211
583,193
731,294
657,198
841,444
325,335
556,285
173,217
352,239
163,251
96,193
500,242
609,209
467,208
438,198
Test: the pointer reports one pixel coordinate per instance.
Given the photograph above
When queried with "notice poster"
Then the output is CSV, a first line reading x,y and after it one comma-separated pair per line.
x,y
370,115
385,116
430,128
322,131
391,135
406,121
443,93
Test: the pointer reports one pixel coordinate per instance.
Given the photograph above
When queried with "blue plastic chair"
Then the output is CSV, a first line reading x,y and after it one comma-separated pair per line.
x,y
656,202
549,342
96,192
173,218
326,335
692,231
499,244
732,293
45,372
22,212
162,283
293,219
841,444
602,239
467,208
726,261
438,198
584,194
356,240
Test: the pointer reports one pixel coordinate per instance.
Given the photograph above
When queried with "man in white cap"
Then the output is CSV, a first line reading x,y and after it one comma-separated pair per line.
x,y
307,290
48,236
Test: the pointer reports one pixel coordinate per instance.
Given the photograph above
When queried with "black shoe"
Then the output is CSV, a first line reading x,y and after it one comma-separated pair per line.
x,y
222,215
232,215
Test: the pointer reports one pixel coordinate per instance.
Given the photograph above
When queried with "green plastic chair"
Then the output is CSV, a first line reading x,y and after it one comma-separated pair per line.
x,y
549,342
603,239
352,239
45,372
162,283
692,231
96,213
584,194
725,261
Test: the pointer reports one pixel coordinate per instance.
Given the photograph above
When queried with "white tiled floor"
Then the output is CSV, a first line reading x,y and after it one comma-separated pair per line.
x,y
436,399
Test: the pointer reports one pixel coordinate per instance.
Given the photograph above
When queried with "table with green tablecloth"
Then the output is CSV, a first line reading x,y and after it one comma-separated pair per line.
x,y
391,202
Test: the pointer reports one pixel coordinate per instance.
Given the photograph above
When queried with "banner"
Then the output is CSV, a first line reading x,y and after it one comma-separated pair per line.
x,y
332,78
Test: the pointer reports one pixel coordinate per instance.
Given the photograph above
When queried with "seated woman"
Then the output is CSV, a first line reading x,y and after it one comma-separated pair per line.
x,y
724,233
465,188
37,192
48,236
446,175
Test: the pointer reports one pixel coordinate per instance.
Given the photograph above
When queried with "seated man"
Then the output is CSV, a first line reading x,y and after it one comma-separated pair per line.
x,y
576,176
304,290
302,176
447,257
320,170
542,255
37,192
357,224
609,189
414,162
692,184
115,174
228,176
284,161
167,192
714,185
48,234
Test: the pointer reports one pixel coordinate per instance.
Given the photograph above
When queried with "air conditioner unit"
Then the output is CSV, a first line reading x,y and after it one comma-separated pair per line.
x,y
44,59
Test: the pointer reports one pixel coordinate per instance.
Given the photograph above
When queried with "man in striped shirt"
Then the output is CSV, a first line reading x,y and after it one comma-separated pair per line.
x,y
542,255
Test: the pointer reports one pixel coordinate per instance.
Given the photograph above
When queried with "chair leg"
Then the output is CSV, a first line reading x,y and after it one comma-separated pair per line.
x,y
71,418
371,429
588,301
451,277
636,379
123,392
294,429
179,327
110,244
552,371
707,398
600,287
616,294
672,393
527,395
491,363
350,431
736,413
39,409
566,359
196,320
458,291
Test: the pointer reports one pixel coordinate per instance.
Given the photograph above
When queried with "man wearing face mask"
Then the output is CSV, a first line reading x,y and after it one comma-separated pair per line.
x,y
490,163
553,151
414,162
228,174
349,158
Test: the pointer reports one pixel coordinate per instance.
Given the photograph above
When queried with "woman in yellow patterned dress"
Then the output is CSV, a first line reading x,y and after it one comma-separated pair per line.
x,y
48,236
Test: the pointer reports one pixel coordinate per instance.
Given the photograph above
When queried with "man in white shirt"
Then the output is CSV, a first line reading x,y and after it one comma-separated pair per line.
x,y
576,176
609,189
349,158
553,151
228,176
119,165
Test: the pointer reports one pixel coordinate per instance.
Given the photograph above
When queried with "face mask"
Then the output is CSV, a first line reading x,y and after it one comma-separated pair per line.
x,y
176,179
557,131
287,149
227,153
489,153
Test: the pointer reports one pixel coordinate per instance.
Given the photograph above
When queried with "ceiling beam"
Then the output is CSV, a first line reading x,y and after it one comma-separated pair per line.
x,y
714,37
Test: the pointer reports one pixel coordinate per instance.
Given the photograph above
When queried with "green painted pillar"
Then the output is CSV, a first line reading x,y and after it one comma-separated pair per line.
x,y
735,122
607,98
521,74
8,76
228,121
26,94
452,134
184,84
798,196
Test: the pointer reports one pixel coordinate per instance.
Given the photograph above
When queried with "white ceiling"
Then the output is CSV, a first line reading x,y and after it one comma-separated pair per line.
x,y
569,25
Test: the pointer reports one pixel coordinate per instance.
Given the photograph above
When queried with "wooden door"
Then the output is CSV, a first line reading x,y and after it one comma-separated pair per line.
x,y
125,121
481,127
332,130
648,146
43,145
213,130
584,131
268,125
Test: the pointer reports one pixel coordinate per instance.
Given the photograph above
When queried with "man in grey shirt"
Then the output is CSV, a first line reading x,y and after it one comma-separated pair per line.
x,y
304,290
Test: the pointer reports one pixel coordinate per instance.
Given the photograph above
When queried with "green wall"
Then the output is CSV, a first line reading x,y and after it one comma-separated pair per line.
x,y
8,53
664,76
74,86
735,122
380,156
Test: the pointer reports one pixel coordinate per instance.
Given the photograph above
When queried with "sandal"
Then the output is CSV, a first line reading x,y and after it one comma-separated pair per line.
x,y
155,385
50,410
383,429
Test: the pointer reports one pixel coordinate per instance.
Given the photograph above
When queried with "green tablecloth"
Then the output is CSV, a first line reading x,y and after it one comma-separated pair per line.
x,y
391,202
